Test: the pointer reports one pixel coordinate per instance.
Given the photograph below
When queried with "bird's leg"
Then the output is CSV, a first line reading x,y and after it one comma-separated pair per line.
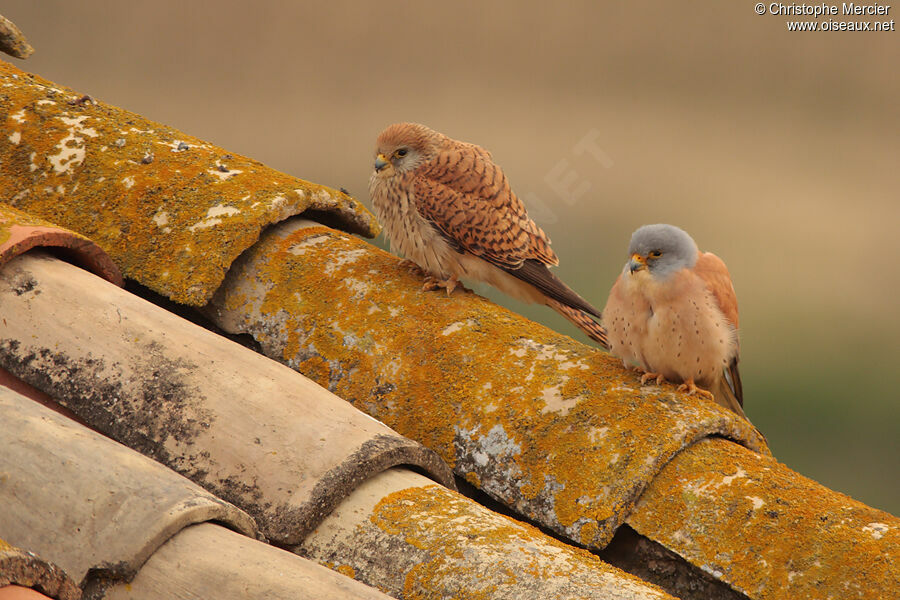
x,y
691,389
647,376
431,282
434,283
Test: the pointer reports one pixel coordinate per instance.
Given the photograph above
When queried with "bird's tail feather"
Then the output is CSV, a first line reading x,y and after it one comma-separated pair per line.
x,y
582,321
724,396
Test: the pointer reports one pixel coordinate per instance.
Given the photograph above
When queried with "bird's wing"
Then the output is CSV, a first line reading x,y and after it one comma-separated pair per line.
x,y
714,273
468,198
712,270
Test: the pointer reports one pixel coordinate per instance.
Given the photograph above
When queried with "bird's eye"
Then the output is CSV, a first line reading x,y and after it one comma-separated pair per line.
x,y
655,254
401,152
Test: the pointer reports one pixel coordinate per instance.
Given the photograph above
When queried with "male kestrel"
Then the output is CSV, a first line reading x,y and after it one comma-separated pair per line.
x,y
449,209
672,314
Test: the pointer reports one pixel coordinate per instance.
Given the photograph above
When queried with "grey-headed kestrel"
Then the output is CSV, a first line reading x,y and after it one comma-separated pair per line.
x,y
672,314
449,209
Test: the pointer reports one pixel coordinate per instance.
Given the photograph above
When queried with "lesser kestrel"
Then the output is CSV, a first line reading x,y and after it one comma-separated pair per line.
x,y
449,209
672,314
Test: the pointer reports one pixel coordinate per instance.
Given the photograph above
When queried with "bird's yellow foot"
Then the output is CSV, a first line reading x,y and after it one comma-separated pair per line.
x,y
433,283
690,388
647,376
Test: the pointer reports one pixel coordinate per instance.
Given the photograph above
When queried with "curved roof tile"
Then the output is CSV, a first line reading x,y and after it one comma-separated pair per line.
x,y
554,429
250,430
415,539
209,408
208,561
21,232
766,530
110,509
542,423
18,567
172,210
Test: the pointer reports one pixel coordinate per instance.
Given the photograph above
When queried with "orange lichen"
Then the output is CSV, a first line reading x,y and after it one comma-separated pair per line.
x,y
767,531
460,539
588,533
549,426
346,570
172,210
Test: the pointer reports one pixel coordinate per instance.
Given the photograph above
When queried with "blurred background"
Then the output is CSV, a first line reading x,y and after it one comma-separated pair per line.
x,y
778,151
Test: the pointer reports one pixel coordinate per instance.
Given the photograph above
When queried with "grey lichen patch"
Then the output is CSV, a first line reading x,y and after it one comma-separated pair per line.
x,y
22,282
490,457
148,408
247,494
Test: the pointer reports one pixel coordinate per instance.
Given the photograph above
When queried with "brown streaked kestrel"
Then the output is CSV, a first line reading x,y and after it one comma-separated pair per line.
x,y
672,314
449,209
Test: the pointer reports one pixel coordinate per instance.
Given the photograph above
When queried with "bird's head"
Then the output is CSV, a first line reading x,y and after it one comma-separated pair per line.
x,y
403,147
660,250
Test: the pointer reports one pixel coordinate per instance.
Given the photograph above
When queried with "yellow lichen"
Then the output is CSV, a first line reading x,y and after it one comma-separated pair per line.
x,y
460,539
490,380
767,530
110,175
588,532
11,217
346,570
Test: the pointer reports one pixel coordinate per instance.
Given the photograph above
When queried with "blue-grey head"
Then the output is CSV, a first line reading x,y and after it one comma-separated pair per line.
x,y
661,250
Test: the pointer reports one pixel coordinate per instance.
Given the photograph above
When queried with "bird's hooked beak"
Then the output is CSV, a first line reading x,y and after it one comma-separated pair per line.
x,y
380,163
637,262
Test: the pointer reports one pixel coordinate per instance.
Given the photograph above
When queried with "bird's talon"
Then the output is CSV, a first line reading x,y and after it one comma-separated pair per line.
x,y
691,389
433,283
648,376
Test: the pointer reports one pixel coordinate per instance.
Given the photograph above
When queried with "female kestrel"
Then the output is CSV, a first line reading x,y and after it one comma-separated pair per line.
x,y
672,314
449,209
